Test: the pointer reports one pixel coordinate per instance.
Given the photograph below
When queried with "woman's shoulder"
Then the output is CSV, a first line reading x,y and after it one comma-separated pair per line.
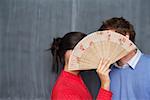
x,y
62,92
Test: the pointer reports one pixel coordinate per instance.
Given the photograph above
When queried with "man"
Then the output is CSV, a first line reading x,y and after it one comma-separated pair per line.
x,y
130,76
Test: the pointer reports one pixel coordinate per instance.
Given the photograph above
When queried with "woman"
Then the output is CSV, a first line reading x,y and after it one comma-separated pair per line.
x,y
69,84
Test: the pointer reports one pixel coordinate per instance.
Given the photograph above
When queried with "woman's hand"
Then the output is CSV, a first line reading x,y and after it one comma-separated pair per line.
x,y
103,73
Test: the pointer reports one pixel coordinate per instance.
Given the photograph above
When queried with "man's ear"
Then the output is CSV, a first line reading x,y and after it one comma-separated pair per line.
x,y
127,36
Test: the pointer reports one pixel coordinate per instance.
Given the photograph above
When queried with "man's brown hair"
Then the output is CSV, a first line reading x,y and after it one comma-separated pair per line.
x,y
119,25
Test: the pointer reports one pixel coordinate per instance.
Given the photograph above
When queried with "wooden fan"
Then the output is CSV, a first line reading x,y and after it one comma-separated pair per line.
x,y
99,45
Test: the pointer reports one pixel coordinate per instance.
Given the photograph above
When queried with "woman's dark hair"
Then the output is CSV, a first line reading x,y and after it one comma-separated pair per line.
x,y
61,45
119,25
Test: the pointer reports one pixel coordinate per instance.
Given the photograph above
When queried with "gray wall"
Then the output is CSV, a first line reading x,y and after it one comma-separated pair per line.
x,y
27,28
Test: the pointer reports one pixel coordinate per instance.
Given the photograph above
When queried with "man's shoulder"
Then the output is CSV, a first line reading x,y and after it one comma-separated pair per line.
x,y
146,56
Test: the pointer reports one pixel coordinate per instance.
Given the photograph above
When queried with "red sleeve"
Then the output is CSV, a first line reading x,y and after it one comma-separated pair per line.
x,y
104,94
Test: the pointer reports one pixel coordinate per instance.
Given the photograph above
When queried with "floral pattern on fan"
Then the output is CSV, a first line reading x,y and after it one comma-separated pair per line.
x,y
101,44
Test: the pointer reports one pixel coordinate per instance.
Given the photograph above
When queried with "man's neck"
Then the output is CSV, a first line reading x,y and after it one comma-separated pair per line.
x,y
125,59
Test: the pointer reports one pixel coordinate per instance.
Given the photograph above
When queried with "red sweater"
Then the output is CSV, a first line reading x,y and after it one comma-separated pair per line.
x,y
71,87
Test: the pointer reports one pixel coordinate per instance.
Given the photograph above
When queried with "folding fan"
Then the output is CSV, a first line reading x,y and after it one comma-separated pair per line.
x,y
99,45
